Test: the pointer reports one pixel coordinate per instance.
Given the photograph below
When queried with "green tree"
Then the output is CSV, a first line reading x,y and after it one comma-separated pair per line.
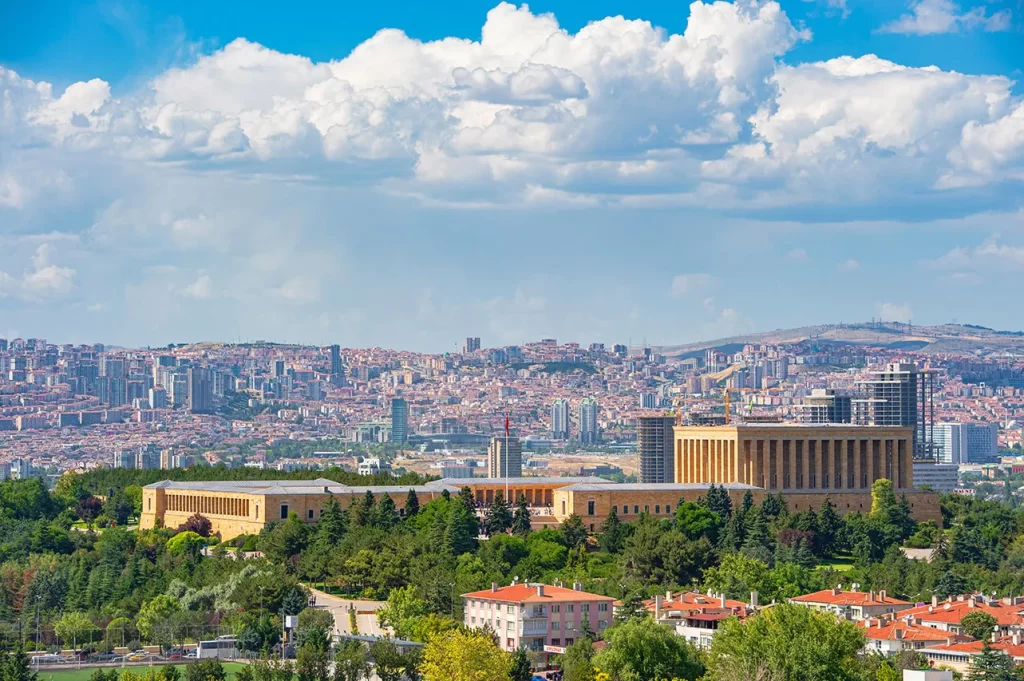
x,y
991,665
577,662
75,628
645,649
574,532
520,668
403,609
613,532
205,670
498,518
120,631
978,625
14,664
153,617
718,502
412,504
351,662
786,643
313,618
696,521
883,498
521,519
389,662
313,658
330,528
464,655
186,544
386,515
829,525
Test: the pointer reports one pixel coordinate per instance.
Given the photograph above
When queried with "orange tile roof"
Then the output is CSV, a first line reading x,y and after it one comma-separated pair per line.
x,y
1015,650
951,612
848,598
900,629
689,601
527,593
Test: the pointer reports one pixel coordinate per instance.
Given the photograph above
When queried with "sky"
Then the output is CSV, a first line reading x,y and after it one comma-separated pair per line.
x,y
620,172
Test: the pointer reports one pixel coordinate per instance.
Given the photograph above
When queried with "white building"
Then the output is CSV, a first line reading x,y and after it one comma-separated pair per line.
x,y
941,477
373,466
959,443
589,433
560,419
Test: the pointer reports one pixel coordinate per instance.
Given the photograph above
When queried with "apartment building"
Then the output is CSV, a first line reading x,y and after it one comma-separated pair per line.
x,y
542,618
696,616
892,636
946,615
852,605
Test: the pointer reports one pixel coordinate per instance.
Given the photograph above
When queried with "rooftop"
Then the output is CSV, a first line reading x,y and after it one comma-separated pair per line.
x,y
837,597
535,593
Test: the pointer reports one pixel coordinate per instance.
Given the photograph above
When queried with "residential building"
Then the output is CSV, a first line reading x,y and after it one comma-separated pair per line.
x,y
542,618
900,395
505,458
589,432
852,605
941,477
889,636
200,390
826,406
648,400
560,419
472,345
947,615
696,616
373,466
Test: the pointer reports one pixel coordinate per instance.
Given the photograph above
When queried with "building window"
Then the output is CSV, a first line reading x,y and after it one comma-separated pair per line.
x,y
585,607
601,624
284,511
556,641
602,607
309,514
570,607
569,642
563,506
647,509
657,509
556,608
668,508
615,509
590,507
510,626
555,626
511,609
636,510
257,511
150,501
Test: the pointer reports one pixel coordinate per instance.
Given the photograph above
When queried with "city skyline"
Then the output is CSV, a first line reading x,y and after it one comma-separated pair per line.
x,y
198,175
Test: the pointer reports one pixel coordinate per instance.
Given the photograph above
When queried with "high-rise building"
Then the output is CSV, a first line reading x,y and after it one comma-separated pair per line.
x,y
957,443
336,369
123,459
200,390
589,433
472,345
399,420
112,367
505,458
648,400
900,395
560,419
655,443
824,405
148,457
157,398
278,368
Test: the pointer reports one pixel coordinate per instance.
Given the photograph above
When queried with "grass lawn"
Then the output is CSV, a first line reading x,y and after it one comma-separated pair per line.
x,y
840,564
84,674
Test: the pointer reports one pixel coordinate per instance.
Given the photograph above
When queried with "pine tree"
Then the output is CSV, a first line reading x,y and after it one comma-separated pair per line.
x,y
386,515
613,533
412,504
466,494
573,531
499,517
521,519
330,529
463,528
991,665
718,501
829,524
521,668
748,502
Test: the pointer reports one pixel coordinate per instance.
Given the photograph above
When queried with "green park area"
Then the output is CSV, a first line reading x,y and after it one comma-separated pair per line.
x,y
83,674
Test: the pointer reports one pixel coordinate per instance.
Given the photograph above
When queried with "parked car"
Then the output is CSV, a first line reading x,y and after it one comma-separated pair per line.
x,y
48,659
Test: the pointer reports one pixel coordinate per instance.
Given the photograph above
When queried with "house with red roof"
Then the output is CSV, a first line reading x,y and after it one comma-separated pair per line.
x,y
696,616
852,605
890,636
540,617
958,656
947,615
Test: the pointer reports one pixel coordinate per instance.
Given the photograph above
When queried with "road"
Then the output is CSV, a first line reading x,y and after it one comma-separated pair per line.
x,y
366,613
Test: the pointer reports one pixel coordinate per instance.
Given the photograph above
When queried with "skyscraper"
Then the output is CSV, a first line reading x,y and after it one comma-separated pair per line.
x,y
957,443
505,462
278,368
589,433
900,395
336,360
648,400
472,344
655,443
560,419
399,420
200,390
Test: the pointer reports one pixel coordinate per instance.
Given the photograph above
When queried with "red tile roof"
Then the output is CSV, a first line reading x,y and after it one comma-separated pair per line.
x,y
528,593
689,601
951,612
862,598
900,629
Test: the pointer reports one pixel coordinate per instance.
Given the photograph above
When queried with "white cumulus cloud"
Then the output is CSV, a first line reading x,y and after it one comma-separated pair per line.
x,y
927,17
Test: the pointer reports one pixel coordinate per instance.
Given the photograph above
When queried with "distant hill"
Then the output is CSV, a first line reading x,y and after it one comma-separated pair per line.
x,y
946,338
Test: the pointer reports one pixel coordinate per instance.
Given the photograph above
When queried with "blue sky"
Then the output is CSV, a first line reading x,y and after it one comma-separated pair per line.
x,y
186,171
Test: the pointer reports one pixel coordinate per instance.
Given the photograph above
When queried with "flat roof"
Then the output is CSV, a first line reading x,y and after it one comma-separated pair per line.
x,y
657,487
283,487
524,480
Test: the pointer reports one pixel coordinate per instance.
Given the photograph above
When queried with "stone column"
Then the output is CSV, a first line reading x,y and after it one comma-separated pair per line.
x,y
793,472
766,460
779,460
871,462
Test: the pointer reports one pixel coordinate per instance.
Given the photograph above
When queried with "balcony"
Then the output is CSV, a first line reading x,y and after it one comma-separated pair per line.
x,y
534,627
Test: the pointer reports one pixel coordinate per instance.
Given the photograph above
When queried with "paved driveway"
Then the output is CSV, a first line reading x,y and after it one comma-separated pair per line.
x,y
366,613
